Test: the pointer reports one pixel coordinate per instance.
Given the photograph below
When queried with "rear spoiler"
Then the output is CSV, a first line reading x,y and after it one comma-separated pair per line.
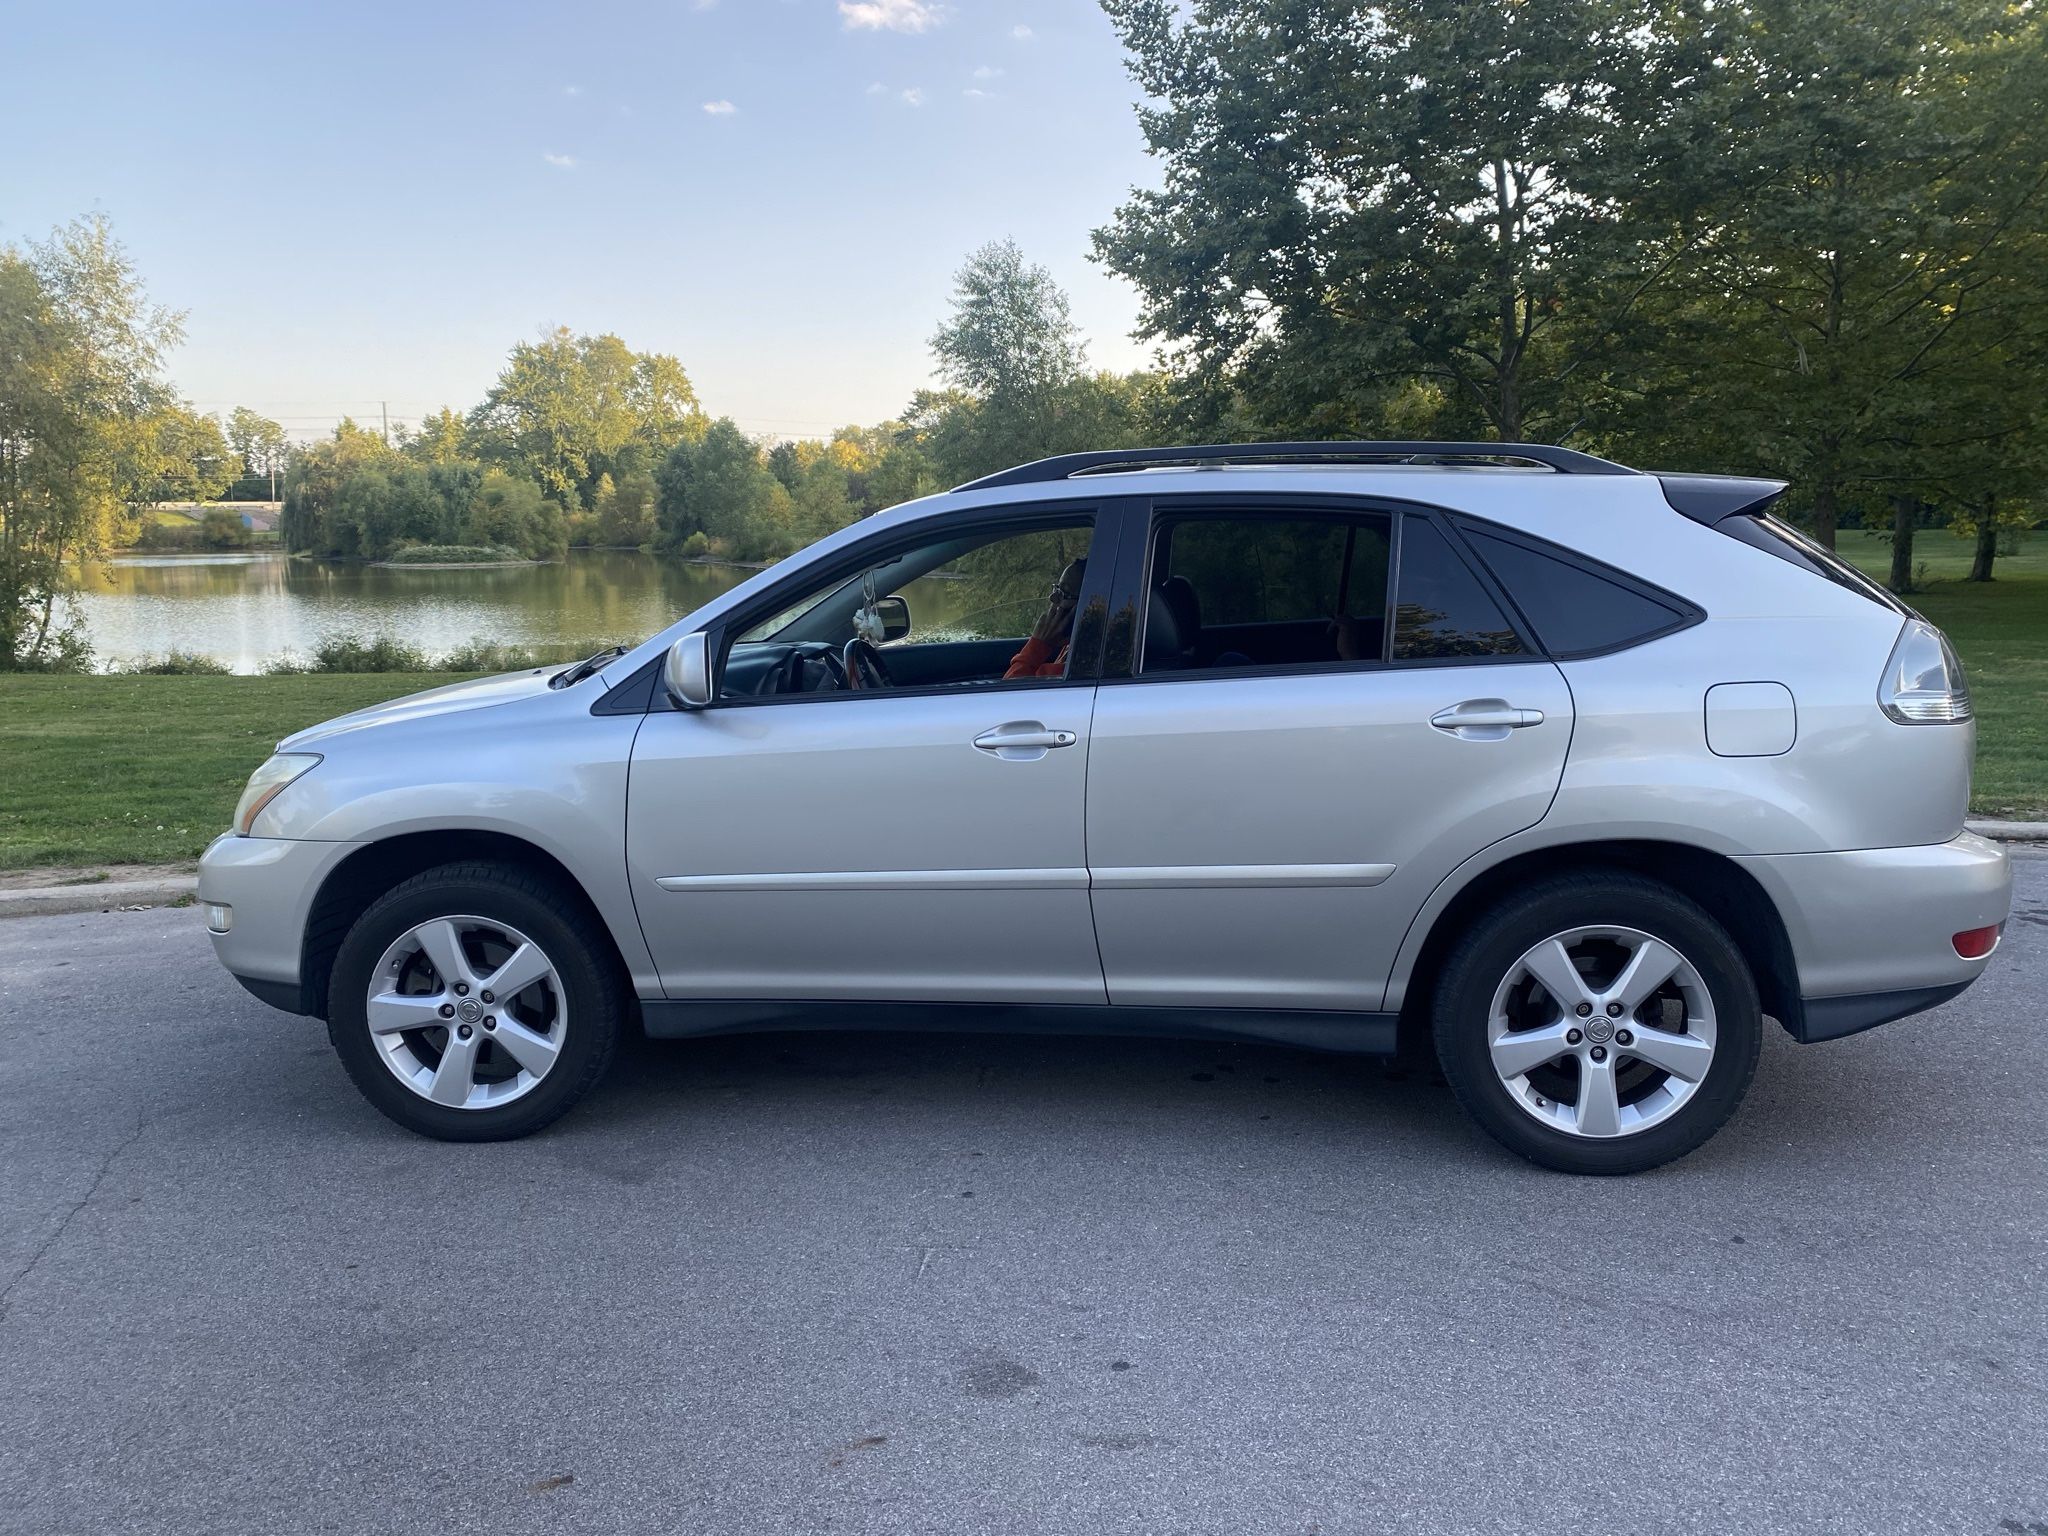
x,y
1713,499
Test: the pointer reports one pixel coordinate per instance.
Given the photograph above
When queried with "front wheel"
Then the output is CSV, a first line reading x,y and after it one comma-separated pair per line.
x,y
1598,1023
474,1003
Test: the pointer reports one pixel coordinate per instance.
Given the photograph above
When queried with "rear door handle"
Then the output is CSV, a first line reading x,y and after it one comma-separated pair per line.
x,y
1021,741
1484,719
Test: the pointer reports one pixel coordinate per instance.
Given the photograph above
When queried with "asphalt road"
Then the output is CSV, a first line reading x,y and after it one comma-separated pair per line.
x,y
897,1283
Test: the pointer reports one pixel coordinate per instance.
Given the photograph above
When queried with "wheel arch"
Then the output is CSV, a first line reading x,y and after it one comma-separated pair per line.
x,y
1730,893
374,868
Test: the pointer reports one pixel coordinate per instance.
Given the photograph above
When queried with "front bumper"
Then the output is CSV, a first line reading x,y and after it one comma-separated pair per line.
x,y
270,884
1872,930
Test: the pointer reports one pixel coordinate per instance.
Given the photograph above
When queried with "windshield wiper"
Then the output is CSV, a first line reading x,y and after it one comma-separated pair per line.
x,y
589,664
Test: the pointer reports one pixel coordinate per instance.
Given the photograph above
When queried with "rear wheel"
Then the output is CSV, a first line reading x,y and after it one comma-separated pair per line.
x,y
474,1003
1598,1024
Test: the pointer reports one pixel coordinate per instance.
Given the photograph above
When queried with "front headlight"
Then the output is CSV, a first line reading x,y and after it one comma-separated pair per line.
x,y
267,783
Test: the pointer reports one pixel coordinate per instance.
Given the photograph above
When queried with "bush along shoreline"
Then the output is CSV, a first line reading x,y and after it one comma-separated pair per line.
x,y
360,653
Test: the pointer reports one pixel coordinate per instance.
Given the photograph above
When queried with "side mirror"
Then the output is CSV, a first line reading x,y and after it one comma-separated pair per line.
x,y
893,613
688,671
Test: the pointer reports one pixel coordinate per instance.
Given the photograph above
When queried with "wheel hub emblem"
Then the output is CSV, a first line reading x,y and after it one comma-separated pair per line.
x,y
469,1010
1599,1031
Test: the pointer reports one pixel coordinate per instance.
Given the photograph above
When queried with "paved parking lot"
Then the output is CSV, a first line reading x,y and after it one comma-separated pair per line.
x,y
896,1283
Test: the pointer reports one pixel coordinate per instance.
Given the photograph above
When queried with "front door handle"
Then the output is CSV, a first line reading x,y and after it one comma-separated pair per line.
x,y
1021,741
1484,719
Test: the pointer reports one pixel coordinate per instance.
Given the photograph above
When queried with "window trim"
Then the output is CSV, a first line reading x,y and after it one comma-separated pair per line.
x,y
1135,576
1108,517
1686,613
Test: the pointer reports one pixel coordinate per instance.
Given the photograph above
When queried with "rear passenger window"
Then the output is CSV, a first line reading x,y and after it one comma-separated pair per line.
x,y
1260,590
1440,608
1575,611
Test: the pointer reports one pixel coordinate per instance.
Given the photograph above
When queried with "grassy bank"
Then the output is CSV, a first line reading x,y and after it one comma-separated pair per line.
x,y
145,770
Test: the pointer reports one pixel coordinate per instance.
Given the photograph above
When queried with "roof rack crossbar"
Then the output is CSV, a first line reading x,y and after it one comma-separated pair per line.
x,y
1566,461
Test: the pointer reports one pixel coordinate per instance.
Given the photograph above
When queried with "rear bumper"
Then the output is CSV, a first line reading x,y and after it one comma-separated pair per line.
x,y
1872,930
270,883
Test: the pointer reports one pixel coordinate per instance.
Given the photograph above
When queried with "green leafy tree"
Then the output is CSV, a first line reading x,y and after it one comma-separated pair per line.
x,y
1872,249
312,486
721,487
1359,197
567,409
189,456
259,444
509,510
81,354
442,437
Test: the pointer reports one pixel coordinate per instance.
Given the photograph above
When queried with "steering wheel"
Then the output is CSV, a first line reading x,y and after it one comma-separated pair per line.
x,y
864,666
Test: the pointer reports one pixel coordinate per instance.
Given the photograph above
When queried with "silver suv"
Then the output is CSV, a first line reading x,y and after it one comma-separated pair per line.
x,y
1582,770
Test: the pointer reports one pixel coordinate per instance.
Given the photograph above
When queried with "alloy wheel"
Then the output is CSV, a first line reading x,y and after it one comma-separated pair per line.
x,y
467,1012
1601,1032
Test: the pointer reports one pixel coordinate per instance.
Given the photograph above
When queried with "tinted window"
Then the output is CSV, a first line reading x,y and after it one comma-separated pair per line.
x,y
1575,611
1268,591
1440,608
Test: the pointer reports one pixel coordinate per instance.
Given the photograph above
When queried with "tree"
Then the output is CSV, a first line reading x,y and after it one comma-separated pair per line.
x,y
1865,260
1356,198
720,487
567,409
81,355
441,438
260,444
189,456
313,483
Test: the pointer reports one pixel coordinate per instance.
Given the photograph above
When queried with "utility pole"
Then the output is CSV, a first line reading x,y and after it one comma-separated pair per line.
x,y
384,406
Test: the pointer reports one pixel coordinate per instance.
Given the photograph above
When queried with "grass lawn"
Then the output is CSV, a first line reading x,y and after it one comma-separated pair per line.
x,y
145,770
2000,629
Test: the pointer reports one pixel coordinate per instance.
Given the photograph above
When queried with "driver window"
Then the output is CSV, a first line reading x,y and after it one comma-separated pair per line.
x,y
980,607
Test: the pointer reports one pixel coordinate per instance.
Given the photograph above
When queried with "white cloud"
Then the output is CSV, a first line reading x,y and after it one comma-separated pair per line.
x,y
988,72
977,91
913,97
572,90
890,15
560,162
720,108
1022,33
876,88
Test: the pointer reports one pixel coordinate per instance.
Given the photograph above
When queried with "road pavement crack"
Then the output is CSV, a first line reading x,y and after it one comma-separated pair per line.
x,y
63,1226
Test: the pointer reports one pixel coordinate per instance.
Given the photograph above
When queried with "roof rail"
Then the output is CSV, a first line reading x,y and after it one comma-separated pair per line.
x,y
1566,461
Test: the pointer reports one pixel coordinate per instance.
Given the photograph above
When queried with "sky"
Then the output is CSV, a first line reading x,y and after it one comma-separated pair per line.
x,y
372,202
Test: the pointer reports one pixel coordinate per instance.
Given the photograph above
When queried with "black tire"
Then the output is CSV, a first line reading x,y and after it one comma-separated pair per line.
x,y
1494,944
561,926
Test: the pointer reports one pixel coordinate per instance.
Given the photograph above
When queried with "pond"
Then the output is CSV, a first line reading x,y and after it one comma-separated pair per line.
x,y
246,609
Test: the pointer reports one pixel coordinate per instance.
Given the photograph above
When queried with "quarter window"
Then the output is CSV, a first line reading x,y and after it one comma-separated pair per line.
x,y
1574,610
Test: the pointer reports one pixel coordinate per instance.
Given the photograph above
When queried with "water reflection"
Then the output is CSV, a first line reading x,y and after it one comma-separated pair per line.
x,y
245,609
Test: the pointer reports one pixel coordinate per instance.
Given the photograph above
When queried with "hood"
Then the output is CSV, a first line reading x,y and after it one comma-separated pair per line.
x,y
478,693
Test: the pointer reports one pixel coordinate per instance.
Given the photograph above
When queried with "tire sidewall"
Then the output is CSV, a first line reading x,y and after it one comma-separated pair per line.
x,y
591,998
1478,964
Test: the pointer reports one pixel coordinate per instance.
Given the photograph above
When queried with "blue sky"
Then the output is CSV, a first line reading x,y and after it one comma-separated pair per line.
x,y
373,202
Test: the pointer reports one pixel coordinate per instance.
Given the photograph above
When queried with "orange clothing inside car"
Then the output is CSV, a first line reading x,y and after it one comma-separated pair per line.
x,y
1037,660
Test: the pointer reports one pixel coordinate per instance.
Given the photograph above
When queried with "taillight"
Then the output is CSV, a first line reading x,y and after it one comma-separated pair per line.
x,y
1923,683
1976,943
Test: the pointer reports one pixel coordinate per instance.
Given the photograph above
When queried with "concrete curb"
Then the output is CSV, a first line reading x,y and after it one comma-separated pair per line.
x,y
2011,831
106,896
119,895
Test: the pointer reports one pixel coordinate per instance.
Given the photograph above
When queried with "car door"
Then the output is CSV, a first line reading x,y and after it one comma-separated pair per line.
x,y
1263,823
913,843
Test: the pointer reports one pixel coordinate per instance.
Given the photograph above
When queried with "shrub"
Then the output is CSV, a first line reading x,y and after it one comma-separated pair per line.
x,y
451,554
354,653
174,663
481,655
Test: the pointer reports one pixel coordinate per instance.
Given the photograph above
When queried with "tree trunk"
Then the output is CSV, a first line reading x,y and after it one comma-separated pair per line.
x,y
1826,510
1987,541
1904,511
